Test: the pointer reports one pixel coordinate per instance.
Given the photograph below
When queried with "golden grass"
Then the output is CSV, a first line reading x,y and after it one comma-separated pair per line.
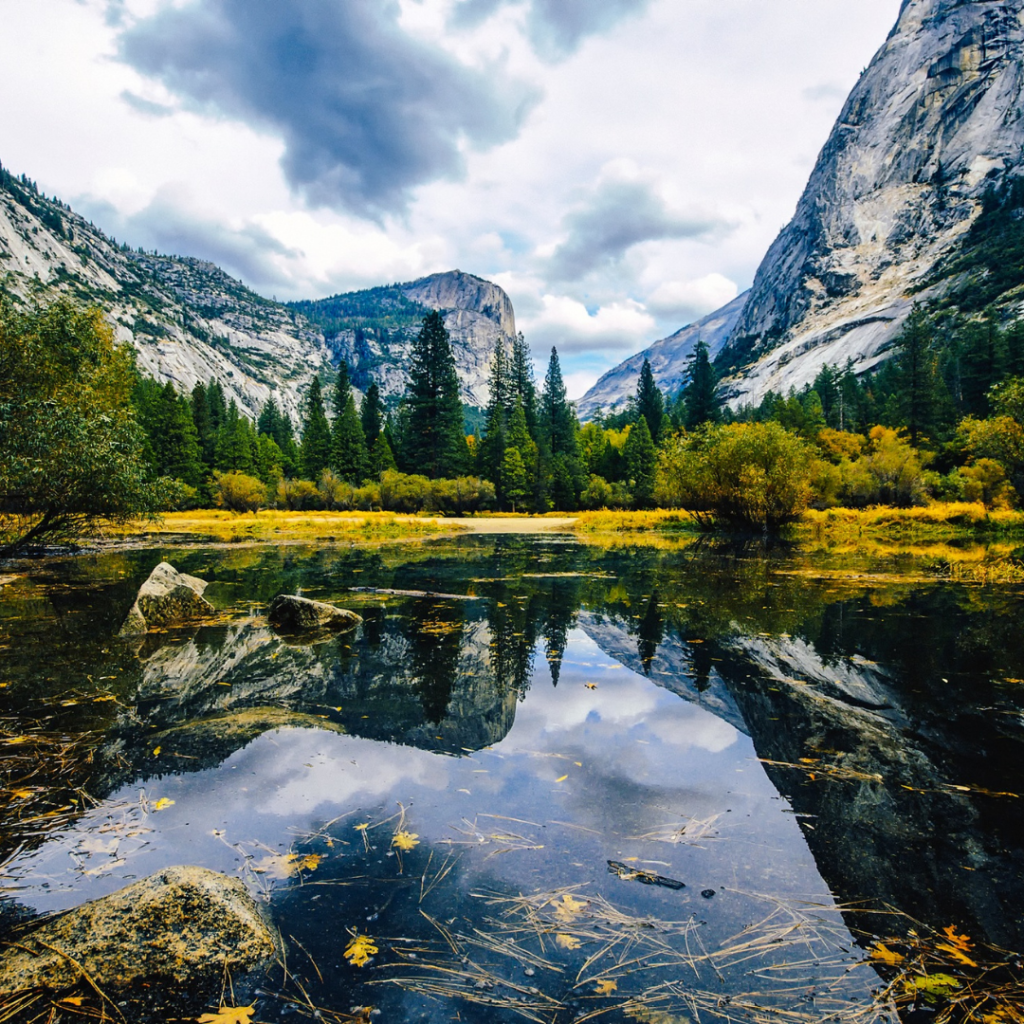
x,y
275,526
605,521
938,520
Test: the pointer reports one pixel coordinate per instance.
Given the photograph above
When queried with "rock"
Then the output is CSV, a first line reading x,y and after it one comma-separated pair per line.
x,y
167,598
291,614
182,927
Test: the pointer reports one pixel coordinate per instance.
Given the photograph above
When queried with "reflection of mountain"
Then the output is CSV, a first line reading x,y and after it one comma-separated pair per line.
x,y
421,682
671,666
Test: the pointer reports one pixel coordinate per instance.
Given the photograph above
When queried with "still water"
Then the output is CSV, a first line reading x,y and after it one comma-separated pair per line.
x,y
556,781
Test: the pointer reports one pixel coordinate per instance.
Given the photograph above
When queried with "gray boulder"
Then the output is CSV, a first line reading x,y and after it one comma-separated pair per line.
x,y
183,928
291,614
167,598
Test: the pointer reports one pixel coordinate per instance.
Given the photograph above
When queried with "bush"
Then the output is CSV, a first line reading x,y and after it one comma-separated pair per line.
x,y
298,495
238,492
600,494
335,494
403,492
744,475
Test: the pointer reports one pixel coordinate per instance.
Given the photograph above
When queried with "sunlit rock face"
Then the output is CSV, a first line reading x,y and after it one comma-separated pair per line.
x,y
935,119
477,314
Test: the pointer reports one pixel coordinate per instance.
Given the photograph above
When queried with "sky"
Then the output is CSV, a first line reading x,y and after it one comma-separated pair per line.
x,y
619,167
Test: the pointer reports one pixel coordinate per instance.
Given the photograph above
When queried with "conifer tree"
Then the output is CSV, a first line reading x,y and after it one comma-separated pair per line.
x,y
650,403
206,432
916,369
236,442
434,440
349,457
316,433
641,463
181,457
371,414
381,456
702,405
492,447
523,386
513,476
562,470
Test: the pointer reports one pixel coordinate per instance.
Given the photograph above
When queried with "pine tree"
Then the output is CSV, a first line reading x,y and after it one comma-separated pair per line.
x,y
206,432
702,405
349,457
316,433
518,439
371,414
492,447
513,477
236,442
917,377
562,470
642,462
381,456
523,386
650,402
182,458
434,441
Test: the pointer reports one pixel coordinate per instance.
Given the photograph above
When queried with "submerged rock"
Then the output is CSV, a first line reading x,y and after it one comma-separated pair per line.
x,y
183,927
291,614
167,598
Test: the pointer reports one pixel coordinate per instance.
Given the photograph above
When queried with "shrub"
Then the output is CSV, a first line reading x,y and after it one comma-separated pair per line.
x,y
335,493
238,492
297,495
600,494
744,475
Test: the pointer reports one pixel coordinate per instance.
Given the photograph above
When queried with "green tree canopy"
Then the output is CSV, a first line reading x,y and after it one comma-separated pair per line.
x,y
650,403
71,452
702,405
316,432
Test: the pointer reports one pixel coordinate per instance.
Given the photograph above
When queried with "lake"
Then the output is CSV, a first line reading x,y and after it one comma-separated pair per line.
x,y
554,780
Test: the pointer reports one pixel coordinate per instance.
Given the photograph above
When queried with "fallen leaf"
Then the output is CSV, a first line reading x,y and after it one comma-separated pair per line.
x,y
362,827
73,1000
229,1015
284,865
561,778
359,951
590,686
880,951
156,751
405,840
21,794
606,987
569,907
99,700
935,986
162,804
567,941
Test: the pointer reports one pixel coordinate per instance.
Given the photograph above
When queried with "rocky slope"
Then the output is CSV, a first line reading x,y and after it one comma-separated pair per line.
x,y
670,361
190,321
934,122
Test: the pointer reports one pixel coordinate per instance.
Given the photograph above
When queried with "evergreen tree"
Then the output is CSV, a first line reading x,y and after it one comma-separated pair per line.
x,y
523,386
236,442
371,414
269,460
650,402
316,433
381,456
435,440
917,380
206,432
518,438
515,485
349,457
702,405
492,447
181,458
642,463
562,470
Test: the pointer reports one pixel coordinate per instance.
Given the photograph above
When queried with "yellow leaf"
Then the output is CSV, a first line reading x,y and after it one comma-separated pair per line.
x,y
284,865
561,778
162,804
960,941
934,986
16,739
880,951
229,1015
73,1000
363,827
567,941
359,951
590,686
405,840
99,700
156,751
956,954
21,794
606,987
569,908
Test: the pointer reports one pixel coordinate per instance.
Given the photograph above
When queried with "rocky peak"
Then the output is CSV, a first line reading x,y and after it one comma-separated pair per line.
x,y
935,120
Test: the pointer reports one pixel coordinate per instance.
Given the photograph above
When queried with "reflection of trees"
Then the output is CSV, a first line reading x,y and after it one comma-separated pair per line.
x,y
650,632
436,646
561,617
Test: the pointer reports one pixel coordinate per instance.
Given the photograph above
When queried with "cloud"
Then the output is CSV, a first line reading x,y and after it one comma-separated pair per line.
x,y
555,28
620,213
249,251
830,91
568,325
144,106
366,111
690,300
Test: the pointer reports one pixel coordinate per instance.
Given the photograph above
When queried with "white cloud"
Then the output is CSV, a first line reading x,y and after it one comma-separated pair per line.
x,y
690,300
568,325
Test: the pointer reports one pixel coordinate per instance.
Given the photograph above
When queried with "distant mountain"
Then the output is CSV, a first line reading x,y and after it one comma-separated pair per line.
x,y
189,321
372,330
670,361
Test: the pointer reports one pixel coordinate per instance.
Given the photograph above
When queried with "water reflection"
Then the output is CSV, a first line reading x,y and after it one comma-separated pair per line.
x,y
568,706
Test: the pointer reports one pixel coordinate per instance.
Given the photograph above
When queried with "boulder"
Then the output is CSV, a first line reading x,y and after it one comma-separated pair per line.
x,y
167,598
290,614
180,929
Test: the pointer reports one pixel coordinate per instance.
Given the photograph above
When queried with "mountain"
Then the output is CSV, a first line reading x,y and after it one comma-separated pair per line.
x,y
373,330
670,361
915,197
189,321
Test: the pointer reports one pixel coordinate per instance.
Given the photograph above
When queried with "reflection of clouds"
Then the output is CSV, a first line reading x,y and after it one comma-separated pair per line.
x,y
342,770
